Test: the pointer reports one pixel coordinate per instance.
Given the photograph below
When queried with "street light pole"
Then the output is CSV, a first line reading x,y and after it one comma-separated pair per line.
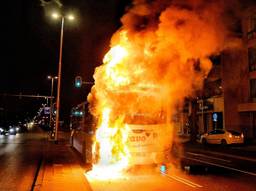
x,y
59,83
70,17
52,78
51,102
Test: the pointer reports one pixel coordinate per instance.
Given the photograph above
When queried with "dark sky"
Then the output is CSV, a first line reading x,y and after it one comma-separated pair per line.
x,y
30,49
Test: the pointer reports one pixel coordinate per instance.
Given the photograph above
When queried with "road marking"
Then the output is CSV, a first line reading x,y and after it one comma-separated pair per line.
x,y
198,185
182,180
232,156
209,157
222,166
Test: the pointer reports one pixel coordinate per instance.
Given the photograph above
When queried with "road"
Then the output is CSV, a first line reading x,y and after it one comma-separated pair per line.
x,y
240,159
20,156
177,180
208,168
197,168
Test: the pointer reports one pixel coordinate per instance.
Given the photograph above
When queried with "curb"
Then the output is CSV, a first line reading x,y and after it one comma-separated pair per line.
x,y
38,179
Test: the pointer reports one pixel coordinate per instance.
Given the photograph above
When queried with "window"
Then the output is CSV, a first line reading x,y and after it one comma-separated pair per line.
x,y
252,59
213,88
220,132
234,132
216,60
252,23
251,28
253,89
212,132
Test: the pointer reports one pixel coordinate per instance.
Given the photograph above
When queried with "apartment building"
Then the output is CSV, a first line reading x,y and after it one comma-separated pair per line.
x,y
228,98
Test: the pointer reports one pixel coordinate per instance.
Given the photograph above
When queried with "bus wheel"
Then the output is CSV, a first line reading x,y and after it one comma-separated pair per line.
x,y
204,142
223,142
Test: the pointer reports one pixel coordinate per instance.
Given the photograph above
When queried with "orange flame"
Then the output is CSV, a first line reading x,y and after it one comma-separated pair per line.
x,y
112,139
153,64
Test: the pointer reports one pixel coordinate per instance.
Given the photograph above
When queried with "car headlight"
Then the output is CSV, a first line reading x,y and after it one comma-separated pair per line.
x,y
1,130
17,128
11,130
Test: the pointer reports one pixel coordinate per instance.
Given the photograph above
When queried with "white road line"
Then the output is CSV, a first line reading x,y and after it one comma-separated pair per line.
x,y
198,185
232,156
182,180
209,157
222,166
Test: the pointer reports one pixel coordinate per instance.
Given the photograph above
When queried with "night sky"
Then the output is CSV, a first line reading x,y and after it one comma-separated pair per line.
x,y
30,50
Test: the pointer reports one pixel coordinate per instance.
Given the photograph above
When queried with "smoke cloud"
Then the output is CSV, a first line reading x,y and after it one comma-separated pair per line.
x,y
169,43
165,44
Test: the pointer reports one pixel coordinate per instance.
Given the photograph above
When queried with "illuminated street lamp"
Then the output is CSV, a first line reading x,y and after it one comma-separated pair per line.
x,y
63,17
52,78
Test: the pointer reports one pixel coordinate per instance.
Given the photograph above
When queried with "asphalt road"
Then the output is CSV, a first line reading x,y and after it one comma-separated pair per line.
x,y
176,179
197,168
20,156
235,158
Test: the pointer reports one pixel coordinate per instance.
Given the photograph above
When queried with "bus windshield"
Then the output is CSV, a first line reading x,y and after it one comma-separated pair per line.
x,y
145,118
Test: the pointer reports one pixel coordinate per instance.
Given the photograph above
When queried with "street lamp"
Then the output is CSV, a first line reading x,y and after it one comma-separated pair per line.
x,y
69,17
52,78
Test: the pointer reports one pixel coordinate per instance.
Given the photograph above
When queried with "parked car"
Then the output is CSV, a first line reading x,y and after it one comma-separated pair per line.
x,y
221,136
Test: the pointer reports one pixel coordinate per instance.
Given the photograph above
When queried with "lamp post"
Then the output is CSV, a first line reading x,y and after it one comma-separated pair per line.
x,y
70,17
52,78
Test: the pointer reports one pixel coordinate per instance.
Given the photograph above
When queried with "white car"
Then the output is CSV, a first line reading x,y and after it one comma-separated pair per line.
x,y
221,136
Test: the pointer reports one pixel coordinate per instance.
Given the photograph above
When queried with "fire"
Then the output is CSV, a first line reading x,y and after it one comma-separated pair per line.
x,y
159,57
113,59
111,139
110,150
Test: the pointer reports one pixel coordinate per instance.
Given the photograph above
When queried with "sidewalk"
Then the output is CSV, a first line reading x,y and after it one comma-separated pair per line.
x,y
61,168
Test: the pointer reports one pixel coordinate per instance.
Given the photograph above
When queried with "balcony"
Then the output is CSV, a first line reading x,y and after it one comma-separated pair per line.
x,y
246,107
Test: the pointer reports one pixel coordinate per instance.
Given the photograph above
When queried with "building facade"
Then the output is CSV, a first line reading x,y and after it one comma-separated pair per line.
x,y
228,98
247,102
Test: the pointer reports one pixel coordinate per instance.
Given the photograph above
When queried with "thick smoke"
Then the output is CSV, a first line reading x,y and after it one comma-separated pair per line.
x,y
163,44
169,43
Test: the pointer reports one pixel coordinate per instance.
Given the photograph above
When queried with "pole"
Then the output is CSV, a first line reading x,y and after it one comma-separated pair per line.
x,y
59,80
51,101
203,115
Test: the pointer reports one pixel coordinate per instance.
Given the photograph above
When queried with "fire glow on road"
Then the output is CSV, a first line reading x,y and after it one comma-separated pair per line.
x,y
146,179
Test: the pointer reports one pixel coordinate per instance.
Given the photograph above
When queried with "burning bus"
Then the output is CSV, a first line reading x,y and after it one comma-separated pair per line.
x,y
157,58
138,126
149,132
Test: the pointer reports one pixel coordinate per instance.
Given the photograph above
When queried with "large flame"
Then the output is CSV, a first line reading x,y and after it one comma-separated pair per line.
x,y
112,140
159,57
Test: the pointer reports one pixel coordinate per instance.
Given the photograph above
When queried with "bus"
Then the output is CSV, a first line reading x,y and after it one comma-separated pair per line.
x,y
148,118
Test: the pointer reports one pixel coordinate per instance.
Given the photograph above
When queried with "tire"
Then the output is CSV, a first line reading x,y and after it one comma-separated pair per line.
x,y
204,142
223,142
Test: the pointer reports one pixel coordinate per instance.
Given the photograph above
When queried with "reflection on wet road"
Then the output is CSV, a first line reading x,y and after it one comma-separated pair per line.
x,y
19,158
